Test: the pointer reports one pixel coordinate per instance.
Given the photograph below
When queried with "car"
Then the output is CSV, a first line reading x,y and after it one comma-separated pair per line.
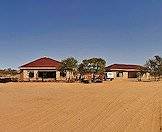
x,y
109,76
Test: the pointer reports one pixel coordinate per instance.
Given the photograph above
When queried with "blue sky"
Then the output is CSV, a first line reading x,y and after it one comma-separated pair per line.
x,y
120,31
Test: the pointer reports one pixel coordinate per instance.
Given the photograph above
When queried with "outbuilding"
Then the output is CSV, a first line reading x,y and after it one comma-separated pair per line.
x,y
123,70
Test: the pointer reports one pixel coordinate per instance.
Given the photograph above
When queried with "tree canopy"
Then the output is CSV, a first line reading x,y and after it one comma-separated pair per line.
x,y
154,66
69,64
93,65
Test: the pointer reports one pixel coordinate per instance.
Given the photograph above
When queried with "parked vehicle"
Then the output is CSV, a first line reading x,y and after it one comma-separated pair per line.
x,y
109,76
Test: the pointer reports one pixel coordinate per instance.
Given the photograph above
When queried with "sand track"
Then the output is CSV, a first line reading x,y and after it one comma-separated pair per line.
x,y
118,106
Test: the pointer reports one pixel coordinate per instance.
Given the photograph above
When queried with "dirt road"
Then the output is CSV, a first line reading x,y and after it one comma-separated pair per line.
x,y
117,106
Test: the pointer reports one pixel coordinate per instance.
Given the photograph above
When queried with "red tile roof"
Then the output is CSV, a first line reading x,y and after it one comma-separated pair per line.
x,y
122,66
43,62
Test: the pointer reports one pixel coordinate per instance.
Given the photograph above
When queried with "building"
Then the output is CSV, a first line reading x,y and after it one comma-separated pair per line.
x,y
43,69
123,70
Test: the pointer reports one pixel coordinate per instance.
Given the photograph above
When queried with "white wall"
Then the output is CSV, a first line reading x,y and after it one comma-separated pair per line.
x,y
115,74
57,75
125,74
25,75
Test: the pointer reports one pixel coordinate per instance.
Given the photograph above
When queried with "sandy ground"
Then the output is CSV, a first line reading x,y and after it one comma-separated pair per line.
x,y
117,106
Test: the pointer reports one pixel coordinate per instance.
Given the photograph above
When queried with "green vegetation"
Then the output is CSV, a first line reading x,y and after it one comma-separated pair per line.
x,y
70,65
93,66
93,69
154,67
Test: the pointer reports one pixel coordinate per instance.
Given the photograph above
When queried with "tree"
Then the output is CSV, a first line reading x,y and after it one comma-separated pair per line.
x,y
92,69
81,68
142,71
93,66
158,61
69,65
154,67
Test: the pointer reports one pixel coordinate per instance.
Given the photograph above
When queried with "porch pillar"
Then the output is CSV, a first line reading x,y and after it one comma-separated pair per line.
x,y
57,75
35,74
25,75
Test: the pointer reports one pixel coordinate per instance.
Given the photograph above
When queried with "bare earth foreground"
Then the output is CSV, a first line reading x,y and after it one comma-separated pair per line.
x,y
117,106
